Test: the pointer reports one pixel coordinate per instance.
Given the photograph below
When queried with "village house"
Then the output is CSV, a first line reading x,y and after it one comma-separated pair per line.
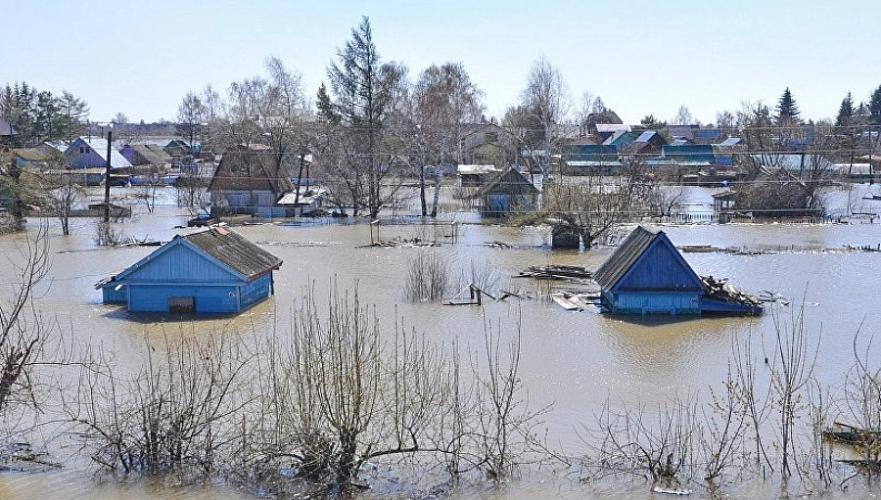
x,y
487,143
213,271
144,154
509,193
176,148
247,181
92,153
37,158
724,203
648,275
476,175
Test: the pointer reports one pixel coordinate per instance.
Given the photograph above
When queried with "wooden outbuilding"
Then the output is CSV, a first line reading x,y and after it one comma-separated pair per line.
x,y
213,271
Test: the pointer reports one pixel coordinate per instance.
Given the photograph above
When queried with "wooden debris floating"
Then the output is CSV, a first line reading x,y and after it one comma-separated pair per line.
x,y
556,272
570,301
720,289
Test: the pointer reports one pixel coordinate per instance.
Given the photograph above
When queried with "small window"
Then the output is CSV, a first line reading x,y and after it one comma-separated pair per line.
x,y
82,150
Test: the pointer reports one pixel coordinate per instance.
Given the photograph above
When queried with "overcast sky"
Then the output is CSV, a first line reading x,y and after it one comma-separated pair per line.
x,y
641,57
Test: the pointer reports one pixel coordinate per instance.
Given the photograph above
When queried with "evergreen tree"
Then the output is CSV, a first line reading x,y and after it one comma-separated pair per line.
x,y
845,112
364,91
652,123
875,107
326,112
787,109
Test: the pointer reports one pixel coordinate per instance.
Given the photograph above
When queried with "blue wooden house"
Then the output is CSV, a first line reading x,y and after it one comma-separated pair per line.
x,y
213,271
648,275
509,193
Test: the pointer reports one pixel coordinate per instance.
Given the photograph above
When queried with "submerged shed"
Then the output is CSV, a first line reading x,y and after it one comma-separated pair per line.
x,y
213,271
648,275
509,193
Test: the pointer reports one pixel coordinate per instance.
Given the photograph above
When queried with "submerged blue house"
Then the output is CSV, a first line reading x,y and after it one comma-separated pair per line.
x,y
648,275
213,271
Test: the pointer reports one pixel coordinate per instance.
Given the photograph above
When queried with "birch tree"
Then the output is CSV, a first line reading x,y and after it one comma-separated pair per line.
x,y
547,99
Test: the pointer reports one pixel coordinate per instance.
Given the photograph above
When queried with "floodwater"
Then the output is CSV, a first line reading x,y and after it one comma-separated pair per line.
x,y
573,361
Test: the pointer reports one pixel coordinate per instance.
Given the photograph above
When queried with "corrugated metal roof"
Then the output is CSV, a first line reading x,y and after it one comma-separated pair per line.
x,y
729,142
235,251
617,265
646,136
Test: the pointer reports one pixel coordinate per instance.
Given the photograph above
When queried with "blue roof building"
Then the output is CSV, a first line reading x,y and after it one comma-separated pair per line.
x,y
213,271
648,275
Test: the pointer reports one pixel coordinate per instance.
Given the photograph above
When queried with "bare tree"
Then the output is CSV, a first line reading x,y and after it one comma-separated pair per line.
x,y
173,416
444,99
586,210
683,116
190,116
547,99
24,332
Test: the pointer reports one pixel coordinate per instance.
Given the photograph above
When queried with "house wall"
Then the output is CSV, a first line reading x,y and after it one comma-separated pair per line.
x,y
208,299
184,265
112,296
255,291
82,155
260,203
658,269
645,302
501,204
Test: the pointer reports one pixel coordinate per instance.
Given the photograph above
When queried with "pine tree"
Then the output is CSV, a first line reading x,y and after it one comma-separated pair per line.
x,y
875,107
845,112
325,107
787,109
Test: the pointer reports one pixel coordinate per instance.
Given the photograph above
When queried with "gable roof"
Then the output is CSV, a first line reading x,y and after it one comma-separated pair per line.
x,y
235,251
513,180
155,156
626,256
221,245
99,145
250,168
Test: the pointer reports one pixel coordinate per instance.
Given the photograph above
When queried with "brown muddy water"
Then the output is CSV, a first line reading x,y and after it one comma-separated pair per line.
x,y
573,361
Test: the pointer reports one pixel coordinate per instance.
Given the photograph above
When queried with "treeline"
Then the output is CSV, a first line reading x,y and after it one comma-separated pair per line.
x,y
38,116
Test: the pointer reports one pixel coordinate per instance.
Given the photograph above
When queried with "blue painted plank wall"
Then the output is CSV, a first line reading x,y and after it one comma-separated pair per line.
x,y
208,299
181,264
659,269
255,291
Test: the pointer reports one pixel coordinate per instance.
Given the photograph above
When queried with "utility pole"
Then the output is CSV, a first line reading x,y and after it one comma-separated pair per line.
x,y
107,179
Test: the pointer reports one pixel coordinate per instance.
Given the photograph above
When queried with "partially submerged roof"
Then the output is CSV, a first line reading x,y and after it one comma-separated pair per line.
x,y
626,256
234,250
226,248
511,180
